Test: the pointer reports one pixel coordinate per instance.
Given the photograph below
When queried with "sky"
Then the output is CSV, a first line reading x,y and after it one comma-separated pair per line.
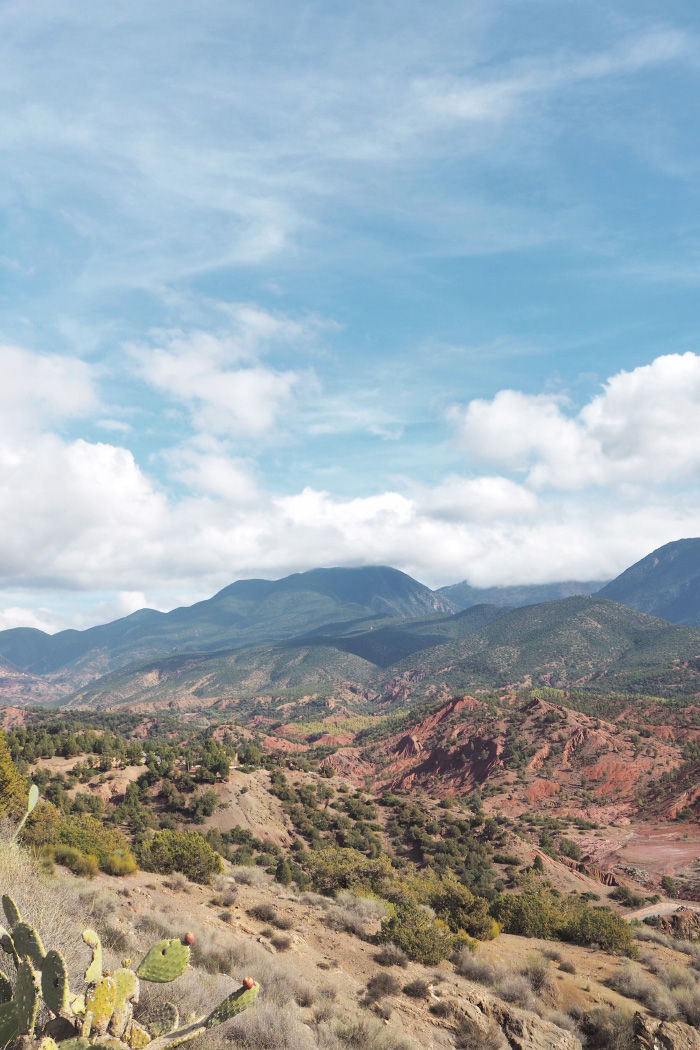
x,y
285,285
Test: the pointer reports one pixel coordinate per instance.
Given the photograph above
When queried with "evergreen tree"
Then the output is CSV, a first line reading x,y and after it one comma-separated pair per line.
x,y
13,790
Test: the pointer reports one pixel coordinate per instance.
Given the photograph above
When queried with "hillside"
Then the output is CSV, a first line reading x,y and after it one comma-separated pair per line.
x,y
666,583
588,643
465,596
248,612
581,641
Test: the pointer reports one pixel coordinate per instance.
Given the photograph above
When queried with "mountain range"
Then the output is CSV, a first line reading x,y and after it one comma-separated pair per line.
x,y
374,626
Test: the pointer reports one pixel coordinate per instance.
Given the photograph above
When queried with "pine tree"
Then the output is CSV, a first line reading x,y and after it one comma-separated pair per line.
x,y
283,872
13,790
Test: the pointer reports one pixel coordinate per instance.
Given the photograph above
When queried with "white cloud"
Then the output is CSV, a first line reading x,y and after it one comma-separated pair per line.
x,y
221,378
643,428
84,516
42,389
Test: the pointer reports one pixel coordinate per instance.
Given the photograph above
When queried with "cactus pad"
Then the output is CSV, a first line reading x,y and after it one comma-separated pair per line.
x,y
232,1005
100,1000
109,1042
5,988
54,982
79,1043
86,1026
28,944
26,997
77,1005
127,985
47,1043
121,1018
165,1019
136,1036
182,1035
165,961
94,970
11,910
6,943
9,1026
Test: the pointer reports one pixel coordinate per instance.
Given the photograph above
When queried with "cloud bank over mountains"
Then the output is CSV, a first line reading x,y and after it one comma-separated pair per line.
x,y
547,490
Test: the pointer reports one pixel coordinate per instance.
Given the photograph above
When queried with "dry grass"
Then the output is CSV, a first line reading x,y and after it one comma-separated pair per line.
x,y
356,914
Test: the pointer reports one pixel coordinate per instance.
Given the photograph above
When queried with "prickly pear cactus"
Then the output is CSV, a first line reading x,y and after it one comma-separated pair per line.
x,y
11,911
5,988
100,1001
54,982
28,944
102,1018
137,1036
165,1019
9,1025
166,961
232,1005
94,970
27,992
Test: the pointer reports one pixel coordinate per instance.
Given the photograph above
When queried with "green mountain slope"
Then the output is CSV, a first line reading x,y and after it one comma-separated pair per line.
x,y
202,677
248,612
582,641
465,596
666,583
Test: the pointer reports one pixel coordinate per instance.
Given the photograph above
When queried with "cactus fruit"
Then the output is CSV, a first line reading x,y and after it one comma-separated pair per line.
x,y
11,911
164,1019
28,944
100,1001
94,970
5,988
189,937
27,997
232,1005
54,982
164,962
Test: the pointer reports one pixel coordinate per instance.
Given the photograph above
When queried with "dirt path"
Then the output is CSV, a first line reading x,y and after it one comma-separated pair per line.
x,y
663,908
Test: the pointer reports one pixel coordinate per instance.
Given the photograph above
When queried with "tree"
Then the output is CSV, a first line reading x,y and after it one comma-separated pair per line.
x,y
13,790
283,873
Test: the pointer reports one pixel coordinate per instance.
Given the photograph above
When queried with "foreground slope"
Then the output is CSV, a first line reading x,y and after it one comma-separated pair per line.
x,y
666,583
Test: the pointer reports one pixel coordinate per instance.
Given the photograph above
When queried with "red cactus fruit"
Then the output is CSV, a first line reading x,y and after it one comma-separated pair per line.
x,y
248,982
189,938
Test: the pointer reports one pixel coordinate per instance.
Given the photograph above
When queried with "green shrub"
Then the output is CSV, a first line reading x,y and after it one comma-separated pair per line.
x,y
183,851
119,864
77,862
85,834
603,927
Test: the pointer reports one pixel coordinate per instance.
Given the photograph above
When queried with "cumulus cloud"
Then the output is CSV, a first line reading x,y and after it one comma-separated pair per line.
x,y
644,427
221,377
42,389
80,516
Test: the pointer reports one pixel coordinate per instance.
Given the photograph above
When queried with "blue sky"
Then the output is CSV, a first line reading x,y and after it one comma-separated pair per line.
x,y
284,285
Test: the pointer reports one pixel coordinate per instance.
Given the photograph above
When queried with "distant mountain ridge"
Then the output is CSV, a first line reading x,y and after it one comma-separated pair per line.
x,y
248,612
665,584
466,596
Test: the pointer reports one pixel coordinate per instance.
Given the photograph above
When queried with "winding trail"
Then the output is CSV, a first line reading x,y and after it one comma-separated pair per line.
x,y
662,908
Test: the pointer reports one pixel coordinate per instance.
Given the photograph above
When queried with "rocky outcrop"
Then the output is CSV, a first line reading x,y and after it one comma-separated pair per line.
x,y
523,1030
651,1034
